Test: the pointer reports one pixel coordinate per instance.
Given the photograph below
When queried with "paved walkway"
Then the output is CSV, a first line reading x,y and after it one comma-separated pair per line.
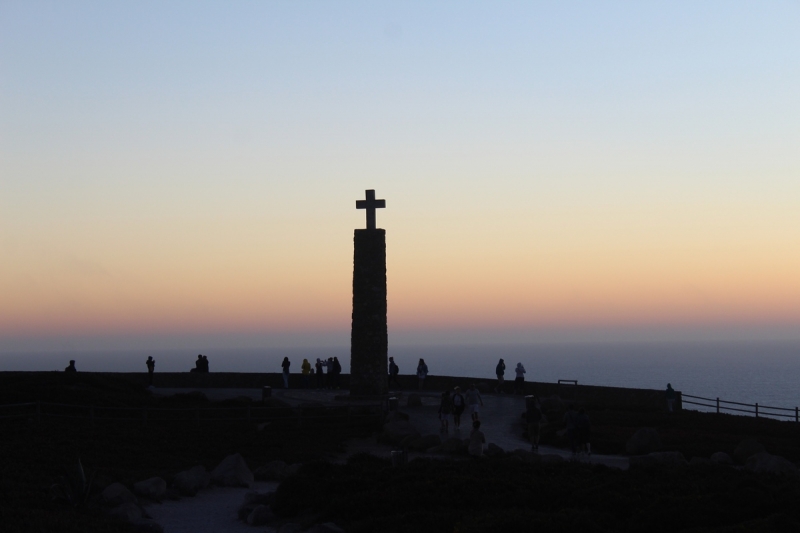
x,y
500,417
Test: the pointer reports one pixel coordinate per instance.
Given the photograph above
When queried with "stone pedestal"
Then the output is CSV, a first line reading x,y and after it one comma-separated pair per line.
x,y
368,336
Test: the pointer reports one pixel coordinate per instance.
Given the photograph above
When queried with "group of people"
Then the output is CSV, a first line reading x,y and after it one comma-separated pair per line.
x,y
201,364
453,405
326,372
519,380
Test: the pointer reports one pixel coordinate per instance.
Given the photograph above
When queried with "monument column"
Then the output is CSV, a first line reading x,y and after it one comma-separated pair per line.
x,y
368,336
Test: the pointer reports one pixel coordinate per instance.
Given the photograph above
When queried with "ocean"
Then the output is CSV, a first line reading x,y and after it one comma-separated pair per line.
x,y
757,372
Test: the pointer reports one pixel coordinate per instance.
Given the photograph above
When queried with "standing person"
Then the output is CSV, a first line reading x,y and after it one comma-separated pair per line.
x,y
319,374
329,373
534,418
71,367
337,371
285,365
458,407
198,364
583,428
670,398
446,411
422,373
151,367
476,440
519,381
393,371
571,422
473,398
305,368
205,364
500,370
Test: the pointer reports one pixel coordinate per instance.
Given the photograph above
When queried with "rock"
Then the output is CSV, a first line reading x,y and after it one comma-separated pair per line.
x,y
414,400
261,515
552,459
395,432
145,525
766,463
154,488
190,481
126,512
232,472
658,459
327,527
117,494
493,450
745,449
453,445
290,527
645,440
721,458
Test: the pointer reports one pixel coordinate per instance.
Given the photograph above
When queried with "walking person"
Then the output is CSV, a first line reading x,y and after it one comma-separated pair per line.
x,y
151,367
534,418
422,373
319,375
571,422
393,371
476,440
670,394
305,369
500,371
285,365
446,411
473,398
519,381
583,427
458,407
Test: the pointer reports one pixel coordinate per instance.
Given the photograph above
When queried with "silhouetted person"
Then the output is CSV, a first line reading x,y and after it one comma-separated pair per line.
x,y
473,398
285,365
151,367
329,373
458,407
320,376
422,373
205,364
393,371
71,368
446,411
337,371
519,381
534,417
305,368
198,364
500,371
571,422
670,398
476,440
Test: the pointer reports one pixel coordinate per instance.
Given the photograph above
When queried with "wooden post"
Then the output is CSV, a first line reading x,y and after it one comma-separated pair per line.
x,y
717,405
756,410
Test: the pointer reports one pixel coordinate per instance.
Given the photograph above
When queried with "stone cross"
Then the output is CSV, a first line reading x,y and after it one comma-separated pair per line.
x,y
370,204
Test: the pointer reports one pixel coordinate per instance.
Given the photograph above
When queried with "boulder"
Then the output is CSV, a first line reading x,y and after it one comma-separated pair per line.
x,y
645,440
126,512
721,458
276,471
453,445
658,459
190,481
414,400
493,450
261,515
766,463
154,488
395,432
117,494
327,527
232,472
746,449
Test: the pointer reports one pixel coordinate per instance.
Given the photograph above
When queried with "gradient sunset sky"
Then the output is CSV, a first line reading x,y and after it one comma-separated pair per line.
x,y
177,173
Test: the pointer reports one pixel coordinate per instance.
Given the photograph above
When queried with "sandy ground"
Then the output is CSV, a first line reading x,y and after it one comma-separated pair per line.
x,y
213,510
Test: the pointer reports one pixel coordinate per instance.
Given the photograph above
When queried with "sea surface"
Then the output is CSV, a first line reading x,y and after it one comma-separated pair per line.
x,y
758,372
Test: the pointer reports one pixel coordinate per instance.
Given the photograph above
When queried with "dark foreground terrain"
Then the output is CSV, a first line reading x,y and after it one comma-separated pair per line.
x,y
367,494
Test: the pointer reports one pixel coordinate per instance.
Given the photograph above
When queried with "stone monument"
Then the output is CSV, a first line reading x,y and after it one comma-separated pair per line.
x,y
368,336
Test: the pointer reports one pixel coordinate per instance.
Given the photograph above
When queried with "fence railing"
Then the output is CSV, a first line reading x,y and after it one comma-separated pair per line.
x,y
294,416
747,408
